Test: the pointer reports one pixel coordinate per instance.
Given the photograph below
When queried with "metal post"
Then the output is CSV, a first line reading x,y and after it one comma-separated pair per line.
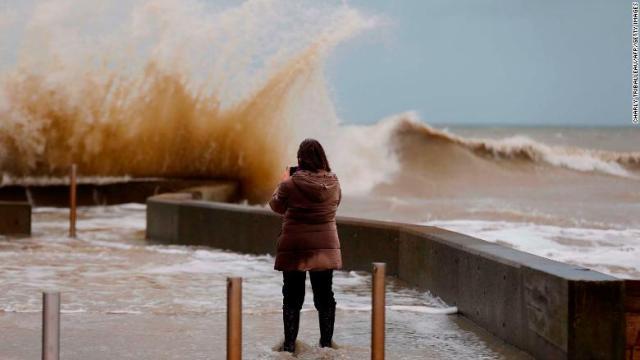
x,y
72,201
377,313
50,326
234,318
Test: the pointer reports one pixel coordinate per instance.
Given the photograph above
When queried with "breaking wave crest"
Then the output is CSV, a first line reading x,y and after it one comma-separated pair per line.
x,y
523,149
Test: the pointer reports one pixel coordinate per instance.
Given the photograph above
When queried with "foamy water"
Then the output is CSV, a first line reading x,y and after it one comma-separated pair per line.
x,y
112,257
111,274
612,251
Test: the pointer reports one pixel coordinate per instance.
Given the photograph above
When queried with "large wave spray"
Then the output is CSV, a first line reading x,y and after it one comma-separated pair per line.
x,y
172,88
169,88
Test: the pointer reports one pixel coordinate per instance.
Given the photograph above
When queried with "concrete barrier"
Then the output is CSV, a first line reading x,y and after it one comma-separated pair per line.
x,y
119,192
632,307
15,218
546,308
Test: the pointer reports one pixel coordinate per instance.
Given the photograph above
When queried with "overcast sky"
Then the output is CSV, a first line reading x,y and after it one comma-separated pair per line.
x,y
489,62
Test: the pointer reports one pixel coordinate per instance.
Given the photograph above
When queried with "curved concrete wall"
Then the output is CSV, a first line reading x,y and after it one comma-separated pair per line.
x,y
549,309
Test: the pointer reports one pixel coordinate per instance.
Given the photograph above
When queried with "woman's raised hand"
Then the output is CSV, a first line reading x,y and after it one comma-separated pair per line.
x,y
285,175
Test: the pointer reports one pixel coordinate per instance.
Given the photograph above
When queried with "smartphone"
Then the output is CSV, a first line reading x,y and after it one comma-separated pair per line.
x,y
292,169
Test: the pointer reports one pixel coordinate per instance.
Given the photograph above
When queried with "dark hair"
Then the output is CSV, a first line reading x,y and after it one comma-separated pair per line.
x,y
311,156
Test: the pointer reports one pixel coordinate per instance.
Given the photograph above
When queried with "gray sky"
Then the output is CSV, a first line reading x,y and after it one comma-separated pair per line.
x,y
489,62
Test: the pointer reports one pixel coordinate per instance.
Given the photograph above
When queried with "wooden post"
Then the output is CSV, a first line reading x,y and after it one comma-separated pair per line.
x,y
377,313
51,326
72,201
234,318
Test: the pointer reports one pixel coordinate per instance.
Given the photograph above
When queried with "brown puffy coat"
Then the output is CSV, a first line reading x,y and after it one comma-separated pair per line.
x,y
309,238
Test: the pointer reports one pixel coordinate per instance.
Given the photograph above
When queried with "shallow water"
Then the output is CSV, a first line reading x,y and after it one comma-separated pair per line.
x,y
124,298
603,236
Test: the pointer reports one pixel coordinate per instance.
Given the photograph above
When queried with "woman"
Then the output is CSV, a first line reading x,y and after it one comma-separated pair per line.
x,y
309,240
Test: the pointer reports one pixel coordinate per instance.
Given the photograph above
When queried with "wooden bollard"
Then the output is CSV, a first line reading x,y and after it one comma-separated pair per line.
x,y
72,201
234,318
51,326
377,313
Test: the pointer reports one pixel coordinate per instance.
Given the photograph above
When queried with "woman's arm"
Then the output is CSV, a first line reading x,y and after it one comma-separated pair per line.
x,y
279,199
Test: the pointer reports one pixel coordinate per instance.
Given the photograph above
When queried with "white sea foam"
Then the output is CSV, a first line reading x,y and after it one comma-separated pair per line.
x,y
613,251
107,269
585,160
124,312
415,308
369,158
72,311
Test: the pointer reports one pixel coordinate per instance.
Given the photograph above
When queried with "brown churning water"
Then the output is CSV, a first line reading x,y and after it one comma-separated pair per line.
x,y
176,90
153,126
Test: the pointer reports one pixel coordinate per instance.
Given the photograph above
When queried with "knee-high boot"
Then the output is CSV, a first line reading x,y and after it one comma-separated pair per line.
x,y
326,318
291,321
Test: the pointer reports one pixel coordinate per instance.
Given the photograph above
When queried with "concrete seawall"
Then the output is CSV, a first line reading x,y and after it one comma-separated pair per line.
x,y
118,192
546,308
15,218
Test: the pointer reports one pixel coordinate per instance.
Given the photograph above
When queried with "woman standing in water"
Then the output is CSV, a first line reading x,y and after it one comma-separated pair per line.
x,y
308,199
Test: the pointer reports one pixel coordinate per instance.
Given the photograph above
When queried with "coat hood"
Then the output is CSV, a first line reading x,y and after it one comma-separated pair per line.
x,y
316,186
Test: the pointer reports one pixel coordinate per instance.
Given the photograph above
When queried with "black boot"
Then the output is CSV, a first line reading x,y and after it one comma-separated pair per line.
x,y
291,320
326,318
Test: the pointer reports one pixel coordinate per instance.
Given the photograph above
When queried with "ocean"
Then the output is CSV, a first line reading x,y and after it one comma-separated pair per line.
x,y
568,194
